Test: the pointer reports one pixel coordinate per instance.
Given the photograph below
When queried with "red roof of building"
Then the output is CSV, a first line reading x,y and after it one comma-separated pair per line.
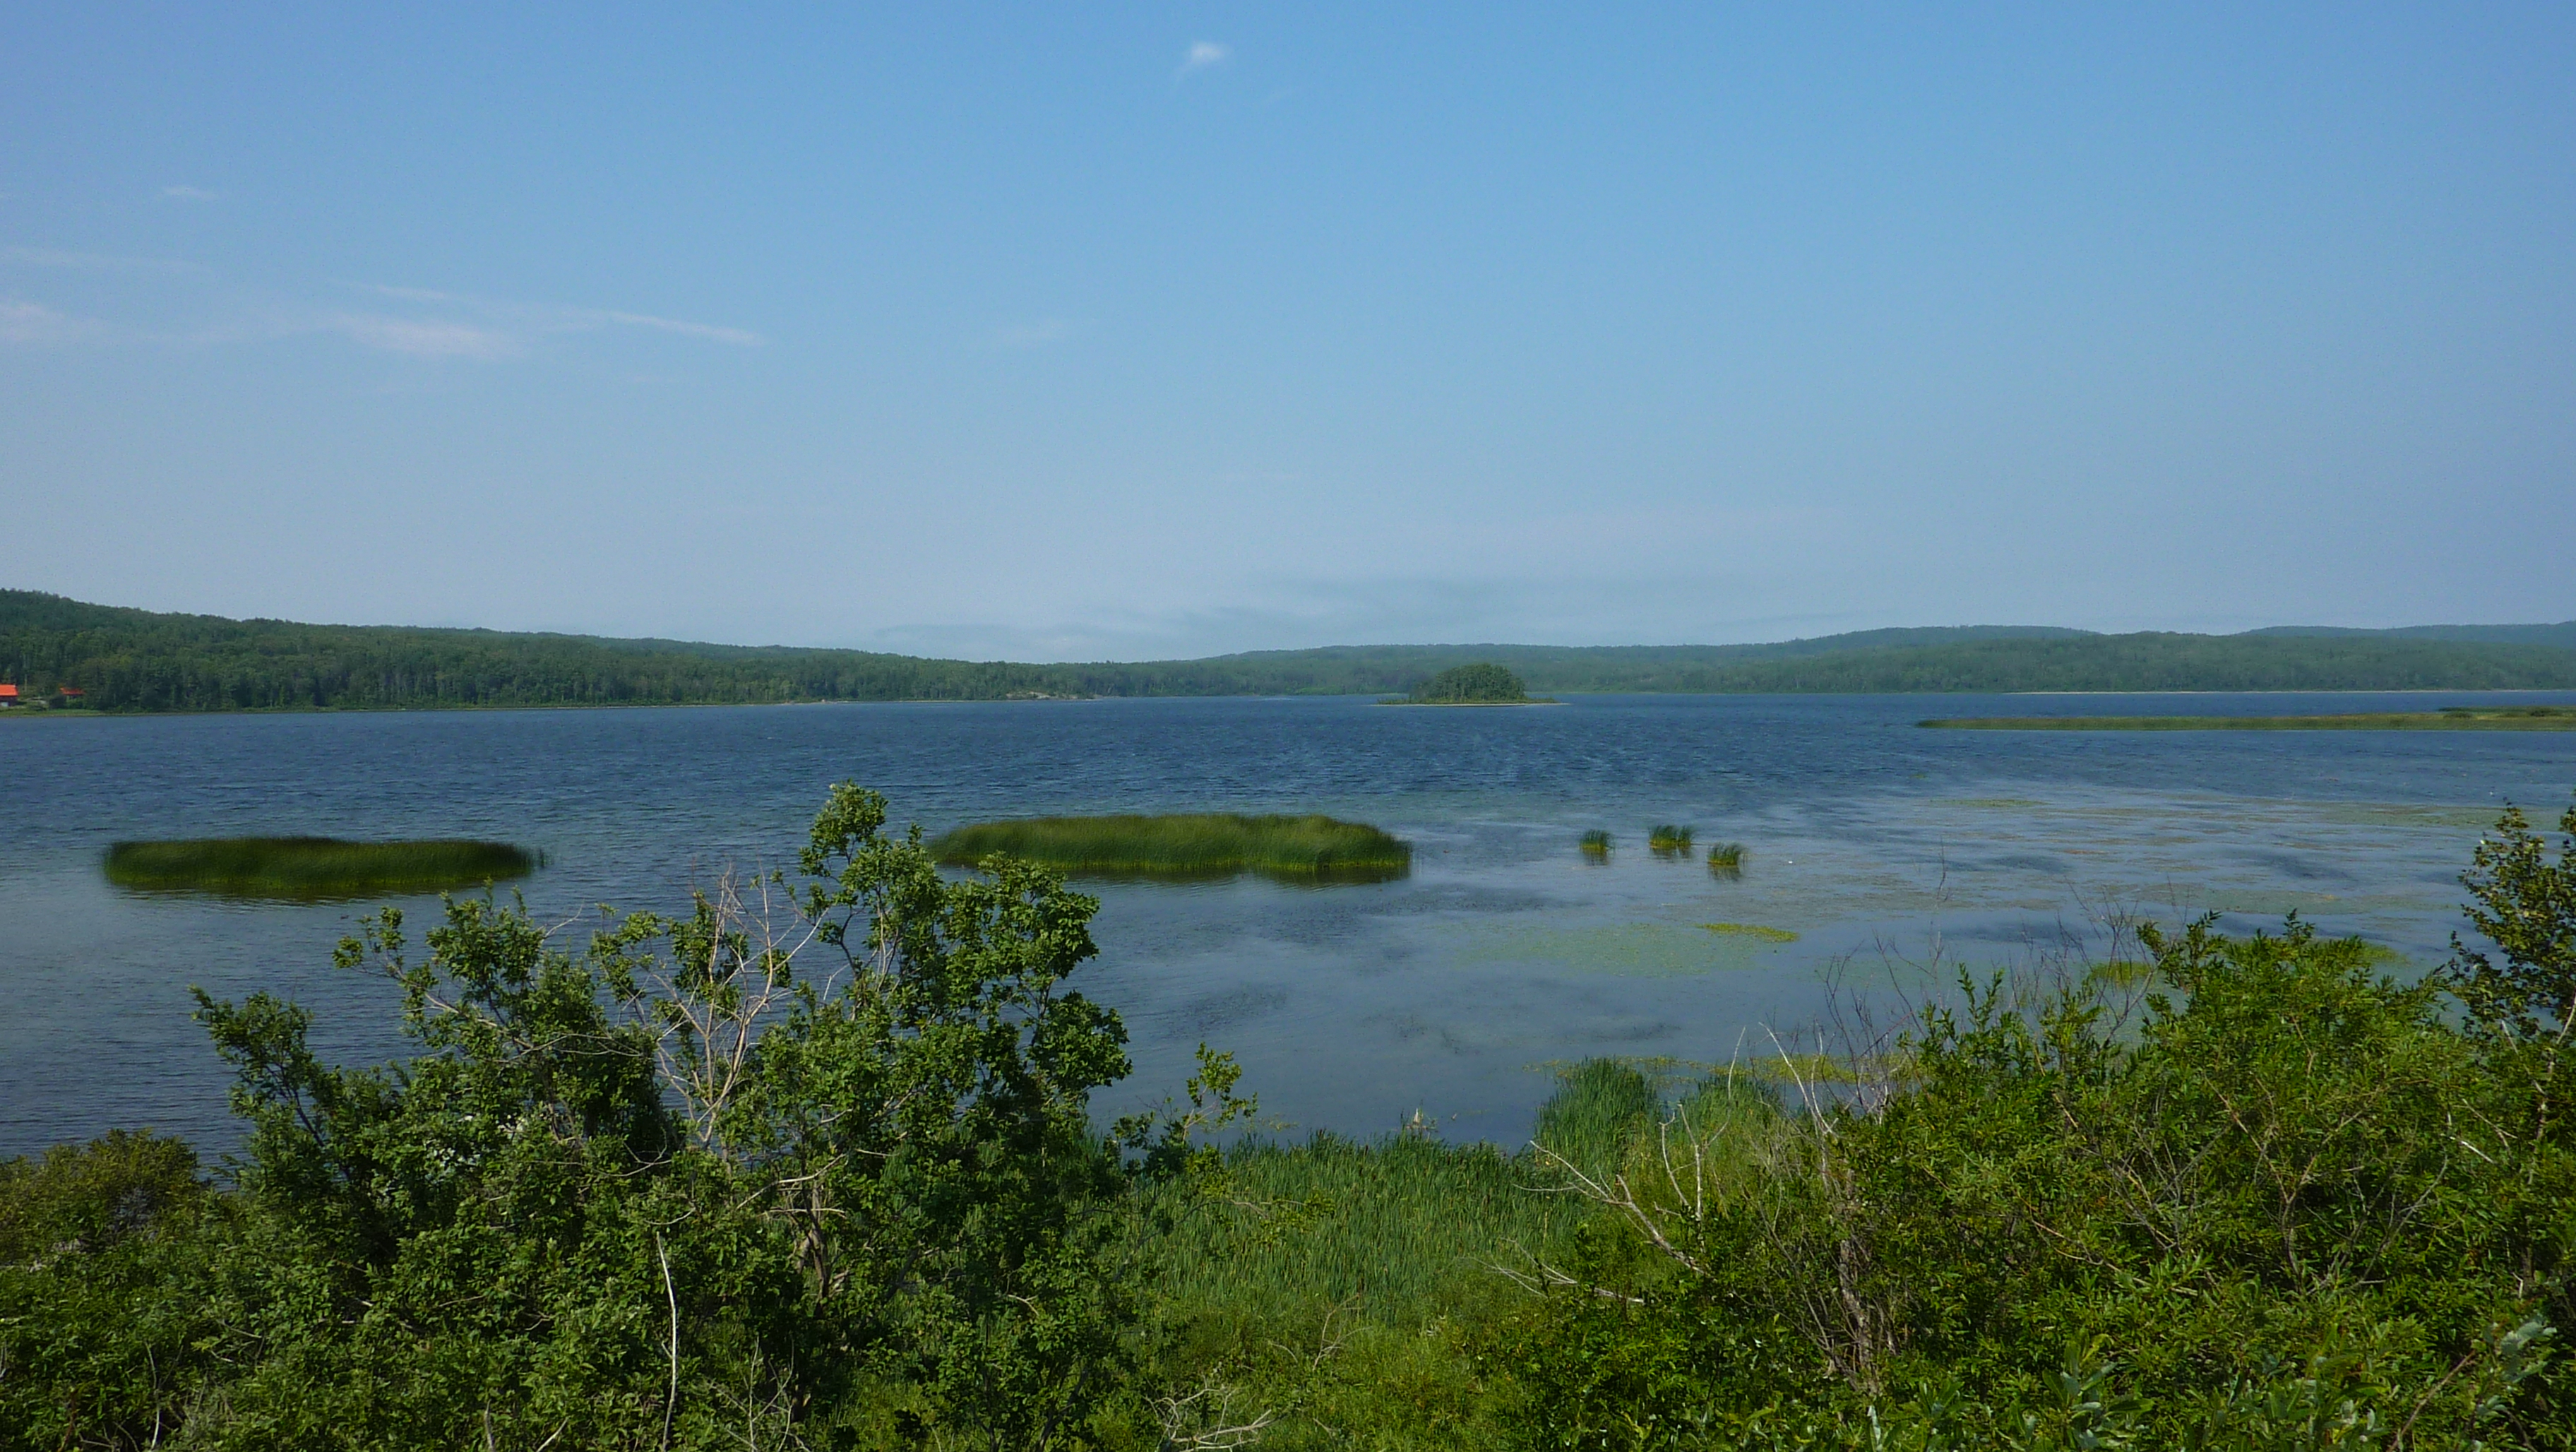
x,y
70,691
8,692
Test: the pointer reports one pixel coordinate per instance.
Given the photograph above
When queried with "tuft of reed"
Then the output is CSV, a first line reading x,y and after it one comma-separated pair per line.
x,y
313,868
1596,843
1726,859
1752,930
1187,847
1406,1225
1599,1107
1668,838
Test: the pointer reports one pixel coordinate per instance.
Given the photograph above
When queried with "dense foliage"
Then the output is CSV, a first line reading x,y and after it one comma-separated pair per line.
x,y
1477,683
688,1191
135,660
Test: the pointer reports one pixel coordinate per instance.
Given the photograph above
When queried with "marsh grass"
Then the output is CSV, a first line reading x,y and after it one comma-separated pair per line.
x,y
1596,844
1726,859
1600,1105
1669,839
1187,847
2449,718
313,868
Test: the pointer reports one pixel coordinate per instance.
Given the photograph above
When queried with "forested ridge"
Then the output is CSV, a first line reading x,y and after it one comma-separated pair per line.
x,y
136,660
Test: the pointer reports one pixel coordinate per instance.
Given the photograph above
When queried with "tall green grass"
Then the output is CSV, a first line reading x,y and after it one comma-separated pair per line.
x,y
1188,846
303,868
1668,838
1595,843
1726,859
1350,1288
1600,1105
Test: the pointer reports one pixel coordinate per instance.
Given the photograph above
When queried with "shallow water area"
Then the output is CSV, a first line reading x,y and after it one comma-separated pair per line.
x,y
1450,991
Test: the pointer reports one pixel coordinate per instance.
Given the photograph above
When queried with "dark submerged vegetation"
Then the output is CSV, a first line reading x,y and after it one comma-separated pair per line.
x,y
688,1190
313,867
1187,846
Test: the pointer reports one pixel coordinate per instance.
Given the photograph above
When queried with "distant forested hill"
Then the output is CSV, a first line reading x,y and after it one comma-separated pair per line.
x,y
137,660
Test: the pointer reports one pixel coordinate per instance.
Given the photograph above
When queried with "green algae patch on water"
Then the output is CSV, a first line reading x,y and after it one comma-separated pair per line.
x,y
1187,847
1618,950
306,869
1754,931
2452,718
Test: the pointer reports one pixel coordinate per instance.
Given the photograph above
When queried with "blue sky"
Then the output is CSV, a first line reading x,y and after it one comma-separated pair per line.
x,y
1054,332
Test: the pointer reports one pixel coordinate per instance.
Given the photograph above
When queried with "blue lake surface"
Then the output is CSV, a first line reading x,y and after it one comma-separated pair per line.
x,y
1453,992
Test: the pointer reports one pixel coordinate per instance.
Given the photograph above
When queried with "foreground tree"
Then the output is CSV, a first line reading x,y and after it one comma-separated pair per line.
x,y
722,1176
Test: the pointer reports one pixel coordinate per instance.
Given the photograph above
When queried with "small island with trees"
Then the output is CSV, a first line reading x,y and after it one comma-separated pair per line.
x,y
1480,683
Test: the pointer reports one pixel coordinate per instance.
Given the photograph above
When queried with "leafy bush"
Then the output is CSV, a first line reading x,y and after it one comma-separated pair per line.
x,y
2294,1198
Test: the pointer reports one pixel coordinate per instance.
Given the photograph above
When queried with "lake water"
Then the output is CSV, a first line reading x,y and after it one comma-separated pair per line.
x,y
1453,992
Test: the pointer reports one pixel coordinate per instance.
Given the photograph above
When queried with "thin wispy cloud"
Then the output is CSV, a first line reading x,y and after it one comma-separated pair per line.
x,y
1203,54
93,261
26,322
415,338
538,318
738,337
35,323
188,194
428,324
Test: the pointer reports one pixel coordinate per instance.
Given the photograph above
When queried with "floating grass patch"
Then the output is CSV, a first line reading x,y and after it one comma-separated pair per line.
x,y
306,868
2125,974
1188,847
2449,718
1726,859
1752,930
1596,845
1668,838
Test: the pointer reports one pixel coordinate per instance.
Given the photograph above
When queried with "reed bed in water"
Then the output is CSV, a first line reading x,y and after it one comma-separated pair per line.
x,y
1725,858
1668,838
313,867
1187,846
1595,844
2449,718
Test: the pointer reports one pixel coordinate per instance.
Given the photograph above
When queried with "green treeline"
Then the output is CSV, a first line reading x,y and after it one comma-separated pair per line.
x,y
838,1182
136,660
